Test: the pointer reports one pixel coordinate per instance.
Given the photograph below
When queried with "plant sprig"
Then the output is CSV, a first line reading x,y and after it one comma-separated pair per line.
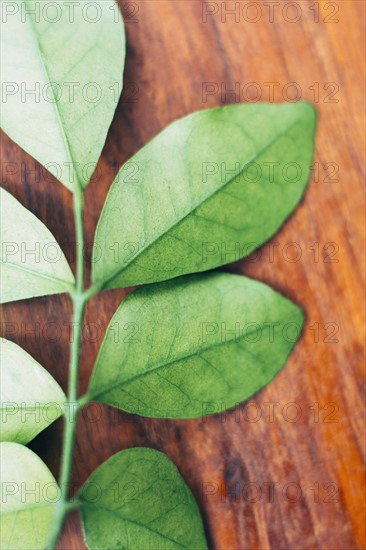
x,y
201,191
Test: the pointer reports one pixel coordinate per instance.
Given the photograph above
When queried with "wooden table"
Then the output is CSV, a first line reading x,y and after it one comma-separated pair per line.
x,y
284,471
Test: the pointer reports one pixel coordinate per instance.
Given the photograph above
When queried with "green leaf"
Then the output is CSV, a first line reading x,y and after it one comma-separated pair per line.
x,y
28,492
30,398
31,261
137,499
72,57
205,192
194,346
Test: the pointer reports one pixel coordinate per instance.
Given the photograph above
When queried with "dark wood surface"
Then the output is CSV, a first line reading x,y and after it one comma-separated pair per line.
x,y
230,460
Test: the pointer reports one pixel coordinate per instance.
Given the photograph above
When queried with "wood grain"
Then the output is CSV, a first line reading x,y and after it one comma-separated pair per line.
x,y
246,475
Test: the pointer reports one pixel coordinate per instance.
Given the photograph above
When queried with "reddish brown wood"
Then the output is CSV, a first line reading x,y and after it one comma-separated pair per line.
x,y
171,53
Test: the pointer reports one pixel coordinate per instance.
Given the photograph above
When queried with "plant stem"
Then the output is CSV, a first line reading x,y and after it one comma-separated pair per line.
x,y
79,299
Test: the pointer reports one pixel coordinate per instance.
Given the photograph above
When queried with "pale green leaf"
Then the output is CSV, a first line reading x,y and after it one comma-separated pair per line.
x,y
205,192
28,492
30,399
194,346
137,499
31,262
71,55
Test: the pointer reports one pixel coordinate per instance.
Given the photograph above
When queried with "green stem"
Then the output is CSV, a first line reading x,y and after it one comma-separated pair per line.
x,y
79,299
79,229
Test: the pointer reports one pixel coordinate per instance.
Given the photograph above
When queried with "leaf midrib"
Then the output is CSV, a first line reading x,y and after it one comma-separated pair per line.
x,y
29,507
128,520
120,270
115,385
29,406
38,273
64,137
